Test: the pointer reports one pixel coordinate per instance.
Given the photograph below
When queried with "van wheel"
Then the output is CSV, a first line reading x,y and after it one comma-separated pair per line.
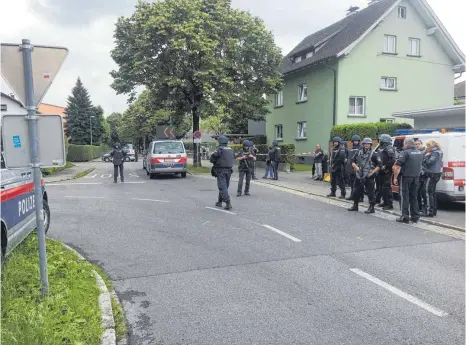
x,y
46,214
183,174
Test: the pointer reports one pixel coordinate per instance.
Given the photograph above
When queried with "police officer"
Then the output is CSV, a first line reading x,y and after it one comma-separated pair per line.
x,y
409,165
223,159
337,169
118,156
387,155
433,171
245,167
276,157
366,164
253,150
352,152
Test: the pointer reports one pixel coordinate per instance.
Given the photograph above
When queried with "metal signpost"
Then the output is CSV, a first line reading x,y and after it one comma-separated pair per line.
x,y
30,78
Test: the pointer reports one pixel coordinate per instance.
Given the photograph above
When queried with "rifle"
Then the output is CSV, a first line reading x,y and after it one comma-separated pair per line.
x,y
360,172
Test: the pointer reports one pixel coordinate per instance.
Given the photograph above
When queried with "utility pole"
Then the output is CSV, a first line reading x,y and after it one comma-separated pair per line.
x,y
90,124
32,118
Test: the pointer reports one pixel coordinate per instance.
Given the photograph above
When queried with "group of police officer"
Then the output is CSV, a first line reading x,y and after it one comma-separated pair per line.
x,y
381,167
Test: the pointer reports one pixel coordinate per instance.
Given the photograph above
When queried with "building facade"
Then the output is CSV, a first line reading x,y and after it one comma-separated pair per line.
x,y
392,56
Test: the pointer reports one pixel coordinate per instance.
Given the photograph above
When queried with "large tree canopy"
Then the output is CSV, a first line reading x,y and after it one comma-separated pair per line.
x,y
192,53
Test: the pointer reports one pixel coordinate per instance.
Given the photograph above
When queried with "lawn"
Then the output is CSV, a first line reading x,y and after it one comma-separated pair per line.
x,y
51,171
302,167
198,170
70,313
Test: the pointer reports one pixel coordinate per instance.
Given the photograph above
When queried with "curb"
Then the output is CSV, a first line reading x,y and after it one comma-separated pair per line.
x,y
124,338
105,304
421,220
72,177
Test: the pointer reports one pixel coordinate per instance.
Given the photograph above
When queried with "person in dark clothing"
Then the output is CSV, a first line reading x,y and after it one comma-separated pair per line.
x,y
276,157
325,164
344,143
268,162
387,155
318,156
245,167
422,192
337,169
118,156
433,162
366,164
409,164
223,160
253,150
352,152
378,182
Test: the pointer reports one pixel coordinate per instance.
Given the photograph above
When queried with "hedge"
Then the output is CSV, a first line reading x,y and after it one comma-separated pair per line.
x,y
84,153
367,130
288,152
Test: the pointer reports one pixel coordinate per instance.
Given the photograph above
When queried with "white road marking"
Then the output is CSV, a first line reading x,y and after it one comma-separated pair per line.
x,y
134,182
133,175
150,200
400,293
71,184
106,175
220,210
90,176
84,197
294,239
206,222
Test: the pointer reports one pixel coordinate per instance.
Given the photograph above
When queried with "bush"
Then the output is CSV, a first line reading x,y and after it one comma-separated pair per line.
x,y
288,152
366,130
85,153
49,171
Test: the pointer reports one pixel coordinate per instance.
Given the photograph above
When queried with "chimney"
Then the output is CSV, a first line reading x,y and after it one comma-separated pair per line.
x,y
352,10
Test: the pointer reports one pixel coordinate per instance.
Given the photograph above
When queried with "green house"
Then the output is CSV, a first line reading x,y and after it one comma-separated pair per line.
x,y
393,55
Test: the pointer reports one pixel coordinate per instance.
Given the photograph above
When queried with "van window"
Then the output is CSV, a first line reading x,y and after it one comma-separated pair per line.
x,y
398,144
168,147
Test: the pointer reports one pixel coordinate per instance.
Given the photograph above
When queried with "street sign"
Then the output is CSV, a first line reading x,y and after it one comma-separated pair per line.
x,y
197,135
164,132
46,62
16,142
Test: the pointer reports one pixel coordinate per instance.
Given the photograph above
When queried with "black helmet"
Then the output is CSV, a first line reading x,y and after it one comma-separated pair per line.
x,y
367,141
246,143
275,143
355,138
336,140
385,138
222,140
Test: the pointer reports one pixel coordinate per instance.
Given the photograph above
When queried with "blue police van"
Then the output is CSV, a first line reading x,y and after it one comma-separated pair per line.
x,y
18,218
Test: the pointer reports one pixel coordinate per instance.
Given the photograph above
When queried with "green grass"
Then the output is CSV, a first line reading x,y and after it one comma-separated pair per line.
x,y
198,170
82,173
69,314
51,171
302,167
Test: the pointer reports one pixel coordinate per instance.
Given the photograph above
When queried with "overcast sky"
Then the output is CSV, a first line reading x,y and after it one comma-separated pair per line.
x,y
86,27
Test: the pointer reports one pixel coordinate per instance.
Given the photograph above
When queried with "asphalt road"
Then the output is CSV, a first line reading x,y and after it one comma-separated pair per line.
x,y
280,268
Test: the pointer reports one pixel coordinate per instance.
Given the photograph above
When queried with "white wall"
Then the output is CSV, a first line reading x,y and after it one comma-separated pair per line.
x,y
13,108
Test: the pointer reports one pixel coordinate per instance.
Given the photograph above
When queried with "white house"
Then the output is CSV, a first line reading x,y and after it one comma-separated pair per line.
x,y
11,106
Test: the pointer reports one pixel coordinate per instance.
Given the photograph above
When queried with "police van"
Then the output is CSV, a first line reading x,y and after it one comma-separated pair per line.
x,y
452,184
18,204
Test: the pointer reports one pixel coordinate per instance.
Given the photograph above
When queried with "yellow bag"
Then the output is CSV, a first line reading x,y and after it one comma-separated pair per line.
x,y
327,177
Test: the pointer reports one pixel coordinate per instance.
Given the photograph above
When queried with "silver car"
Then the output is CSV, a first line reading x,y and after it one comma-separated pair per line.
x,y
166,157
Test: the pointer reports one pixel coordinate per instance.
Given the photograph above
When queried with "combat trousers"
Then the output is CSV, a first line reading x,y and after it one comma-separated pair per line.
x,y
367,184
430,186
386,187
248,176
115,172
223,183
409,187
337,179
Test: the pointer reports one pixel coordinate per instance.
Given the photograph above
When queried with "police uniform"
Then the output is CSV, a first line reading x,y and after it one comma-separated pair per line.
x,y
253,151
352,152
433,164
223,160
276,157
387,155
367,161
245,168
118,158
410,161
338,169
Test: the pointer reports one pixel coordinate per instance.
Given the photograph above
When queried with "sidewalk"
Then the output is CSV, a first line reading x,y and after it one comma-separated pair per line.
x,y
451,215
69,173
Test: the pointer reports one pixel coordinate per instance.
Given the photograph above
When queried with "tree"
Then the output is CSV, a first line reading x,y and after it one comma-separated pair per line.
x,y
78,114
113,121
192,53
98,126
217,123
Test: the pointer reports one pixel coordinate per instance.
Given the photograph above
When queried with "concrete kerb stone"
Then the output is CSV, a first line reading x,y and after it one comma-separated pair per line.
x,y
105,304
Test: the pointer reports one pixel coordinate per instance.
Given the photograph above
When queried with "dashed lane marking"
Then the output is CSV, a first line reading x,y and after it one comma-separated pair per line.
x,y
220,210
400,293
294,239
155,200
83,197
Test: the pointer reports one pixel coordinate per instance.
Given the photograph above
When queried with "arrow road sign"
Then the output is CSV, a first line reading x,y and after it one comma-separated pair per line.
x,y
163,132
46,62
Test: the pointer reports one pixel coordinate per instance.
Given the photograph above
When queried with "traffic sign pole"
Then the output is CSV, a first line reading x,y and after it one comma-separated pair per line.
x,y
32,118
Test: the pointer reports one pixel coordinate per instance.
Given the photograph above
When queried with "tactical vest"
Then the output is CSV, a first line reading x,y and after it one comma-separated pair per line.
x,y
413,163
385,155
226,157
353,152
438,166
364,162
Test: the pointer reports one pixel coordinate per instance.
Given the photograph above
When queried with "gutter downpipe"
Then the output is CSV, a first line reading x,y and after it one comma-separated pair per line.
x,y
334,92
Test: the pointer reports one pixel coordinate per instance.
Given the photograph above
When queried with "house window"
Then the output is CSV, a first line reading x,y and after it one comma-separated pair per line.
x,y
414,47
278,131
357,106
279,99
4,107
297,59
402,12
387,120
302,93
302,130
309,54
388,83
390,44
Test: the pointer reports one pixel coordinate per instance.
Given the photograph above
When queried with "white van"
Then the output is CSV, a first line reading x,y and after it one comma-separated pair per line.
x,y
451,185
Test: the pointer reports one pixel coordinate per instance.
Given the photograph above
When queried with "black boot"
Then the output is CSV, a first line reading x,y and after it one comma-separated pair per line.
x,y
388,207
355,207
370,209
238,194
246,193
219,203
402,220
343,196
228,205
332,195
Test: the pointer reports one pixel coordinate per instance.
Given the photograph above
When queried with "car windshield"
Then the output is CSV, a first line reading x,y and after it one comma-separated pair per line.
x,y
168,147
